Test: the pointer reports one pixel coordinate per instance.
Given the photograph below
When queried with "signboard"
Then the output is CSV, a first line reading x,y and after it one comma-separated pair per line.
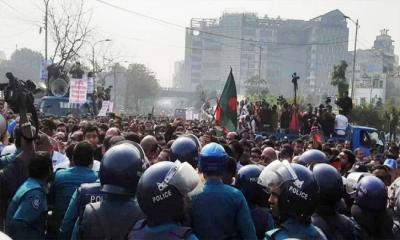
x,y
189,115
43,70
77,90
90,85
180,113
107,106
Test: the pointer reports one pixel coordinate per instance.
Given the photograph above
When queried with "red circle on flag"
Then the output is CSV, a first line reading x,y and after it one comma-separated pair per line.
x,y
232,103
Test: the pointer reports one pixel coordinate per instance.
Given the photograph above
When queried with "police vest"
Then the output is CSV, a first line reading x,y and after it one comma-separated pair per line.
x,y
260,220
89,193
177,232
107,220
335,226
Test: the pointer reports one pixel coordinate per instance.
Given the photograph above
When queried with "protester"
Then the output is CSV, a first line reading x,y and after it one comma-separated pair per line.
x,y
220,159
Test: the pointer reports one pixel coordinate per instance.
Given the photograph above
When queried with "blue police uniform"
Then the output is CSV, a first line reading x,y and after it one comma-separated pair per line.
x,y
27,211
221,212
164,231
66,181
263,221
293,229
87,193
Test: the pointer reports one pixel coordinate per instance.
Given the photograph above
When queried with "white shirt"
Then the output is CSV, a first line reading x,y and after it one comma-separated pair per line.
x,y
8,149
59,158
341,123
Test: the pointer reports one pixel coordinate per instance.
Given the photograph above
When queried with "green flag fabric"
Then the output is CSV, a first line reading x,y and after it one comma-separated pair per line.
x,y
226,113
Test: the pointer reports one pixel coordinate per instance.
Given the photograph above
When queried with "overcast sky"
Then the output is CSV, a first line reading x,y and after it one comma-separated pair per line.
x,y
139,39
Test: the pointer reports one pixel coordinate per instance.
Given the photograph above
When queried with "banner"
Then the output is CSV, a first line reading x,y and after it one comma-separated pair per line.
x,y
90,85
43,70
110,107
107,106
77,91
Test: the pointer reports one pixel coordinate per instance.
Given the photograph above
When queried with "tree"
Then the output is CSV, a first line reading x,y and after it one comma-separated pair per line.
x,y
24,63
256,88
69,28
141,84
339,78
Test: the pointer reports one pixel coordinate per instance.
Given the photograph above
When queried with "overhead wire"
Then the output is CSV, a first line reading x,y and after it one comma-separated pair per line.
x,y
211,33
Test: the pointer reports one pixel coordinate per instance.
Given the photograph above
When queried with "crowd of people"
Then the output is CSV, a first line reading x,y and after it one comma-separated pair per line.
x,y
288,118
129,178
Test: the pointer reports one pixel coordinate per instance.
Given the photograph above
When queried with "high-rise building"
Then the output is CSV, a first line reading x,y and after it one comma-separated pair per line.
x,y
179,74
273,48
375,71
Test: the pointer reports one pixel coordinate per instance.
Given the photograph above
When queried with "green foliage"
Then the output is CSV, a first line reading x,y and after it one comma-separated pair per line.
x,y
256,88
377,116
142,85
339,78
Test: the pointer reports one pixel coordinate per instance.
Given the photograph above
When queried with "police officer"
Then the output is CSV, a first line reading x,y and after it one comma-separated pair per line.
x,y
66,181
334,225
219,211
185,150
294,196
312,157
112,218
162,195
256,197
369,209
26,214
86,193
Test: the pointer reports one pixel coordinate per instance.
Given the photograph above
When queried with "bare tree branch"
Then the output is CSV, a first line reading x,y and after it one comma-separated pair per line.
x,y
69,27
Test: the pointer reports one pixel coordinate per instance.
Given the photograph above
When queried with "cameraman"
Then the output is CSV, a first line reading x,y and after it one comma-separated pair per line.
x,y
18,96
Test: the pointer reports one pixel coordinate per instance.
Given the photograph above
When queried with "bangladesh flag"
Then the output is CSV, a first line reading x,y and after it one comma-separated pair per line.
x,y
226,113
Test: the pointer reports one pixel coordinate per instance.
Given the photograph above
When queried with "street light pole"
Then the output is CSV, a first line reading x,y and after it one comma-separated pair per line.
x,y
93,45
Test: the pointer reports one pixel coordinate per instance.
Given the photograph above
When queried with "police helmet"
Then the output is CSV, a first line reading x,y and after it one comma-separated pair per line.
x,y
212,159
330,183
352,181
195,140
162,188
121,168
299,191
371,194
311,157
246,182
184,149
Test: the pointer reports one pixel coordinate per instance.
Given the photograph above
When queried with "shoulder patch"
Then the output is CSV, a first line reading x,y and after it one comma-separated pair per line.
x,y
36,202
272,232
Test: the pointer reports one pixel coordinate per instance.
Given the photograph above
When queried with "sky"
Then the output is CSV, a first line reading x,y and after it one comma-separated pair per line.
x,y
139,39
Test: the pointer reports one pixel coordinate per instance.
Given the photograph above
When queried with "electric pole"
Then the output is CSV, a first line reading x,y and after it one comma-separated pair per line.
x,y
46,3
354,62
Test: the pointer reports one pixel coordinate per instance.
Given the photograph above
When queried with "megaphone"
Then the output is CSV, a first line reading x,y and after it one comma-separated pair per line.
x,y
59,87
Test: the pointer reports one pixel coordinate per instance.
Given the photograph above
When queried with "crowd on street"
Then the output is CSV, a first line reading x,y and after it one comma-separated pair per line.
x,y
284,173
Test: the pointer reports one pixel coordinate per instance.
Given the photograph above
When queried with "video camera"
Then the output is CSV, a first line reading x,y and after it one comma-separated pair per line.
x,y
19,96
17,93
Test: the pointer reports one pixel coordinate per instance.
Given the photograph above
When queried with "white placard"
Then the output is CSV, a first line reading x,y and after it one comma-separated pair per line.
x,y
77,91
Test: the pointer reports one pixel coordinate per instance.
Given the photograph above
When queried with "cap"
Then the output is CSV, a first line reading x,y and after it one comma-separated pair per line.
x,y
391,164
